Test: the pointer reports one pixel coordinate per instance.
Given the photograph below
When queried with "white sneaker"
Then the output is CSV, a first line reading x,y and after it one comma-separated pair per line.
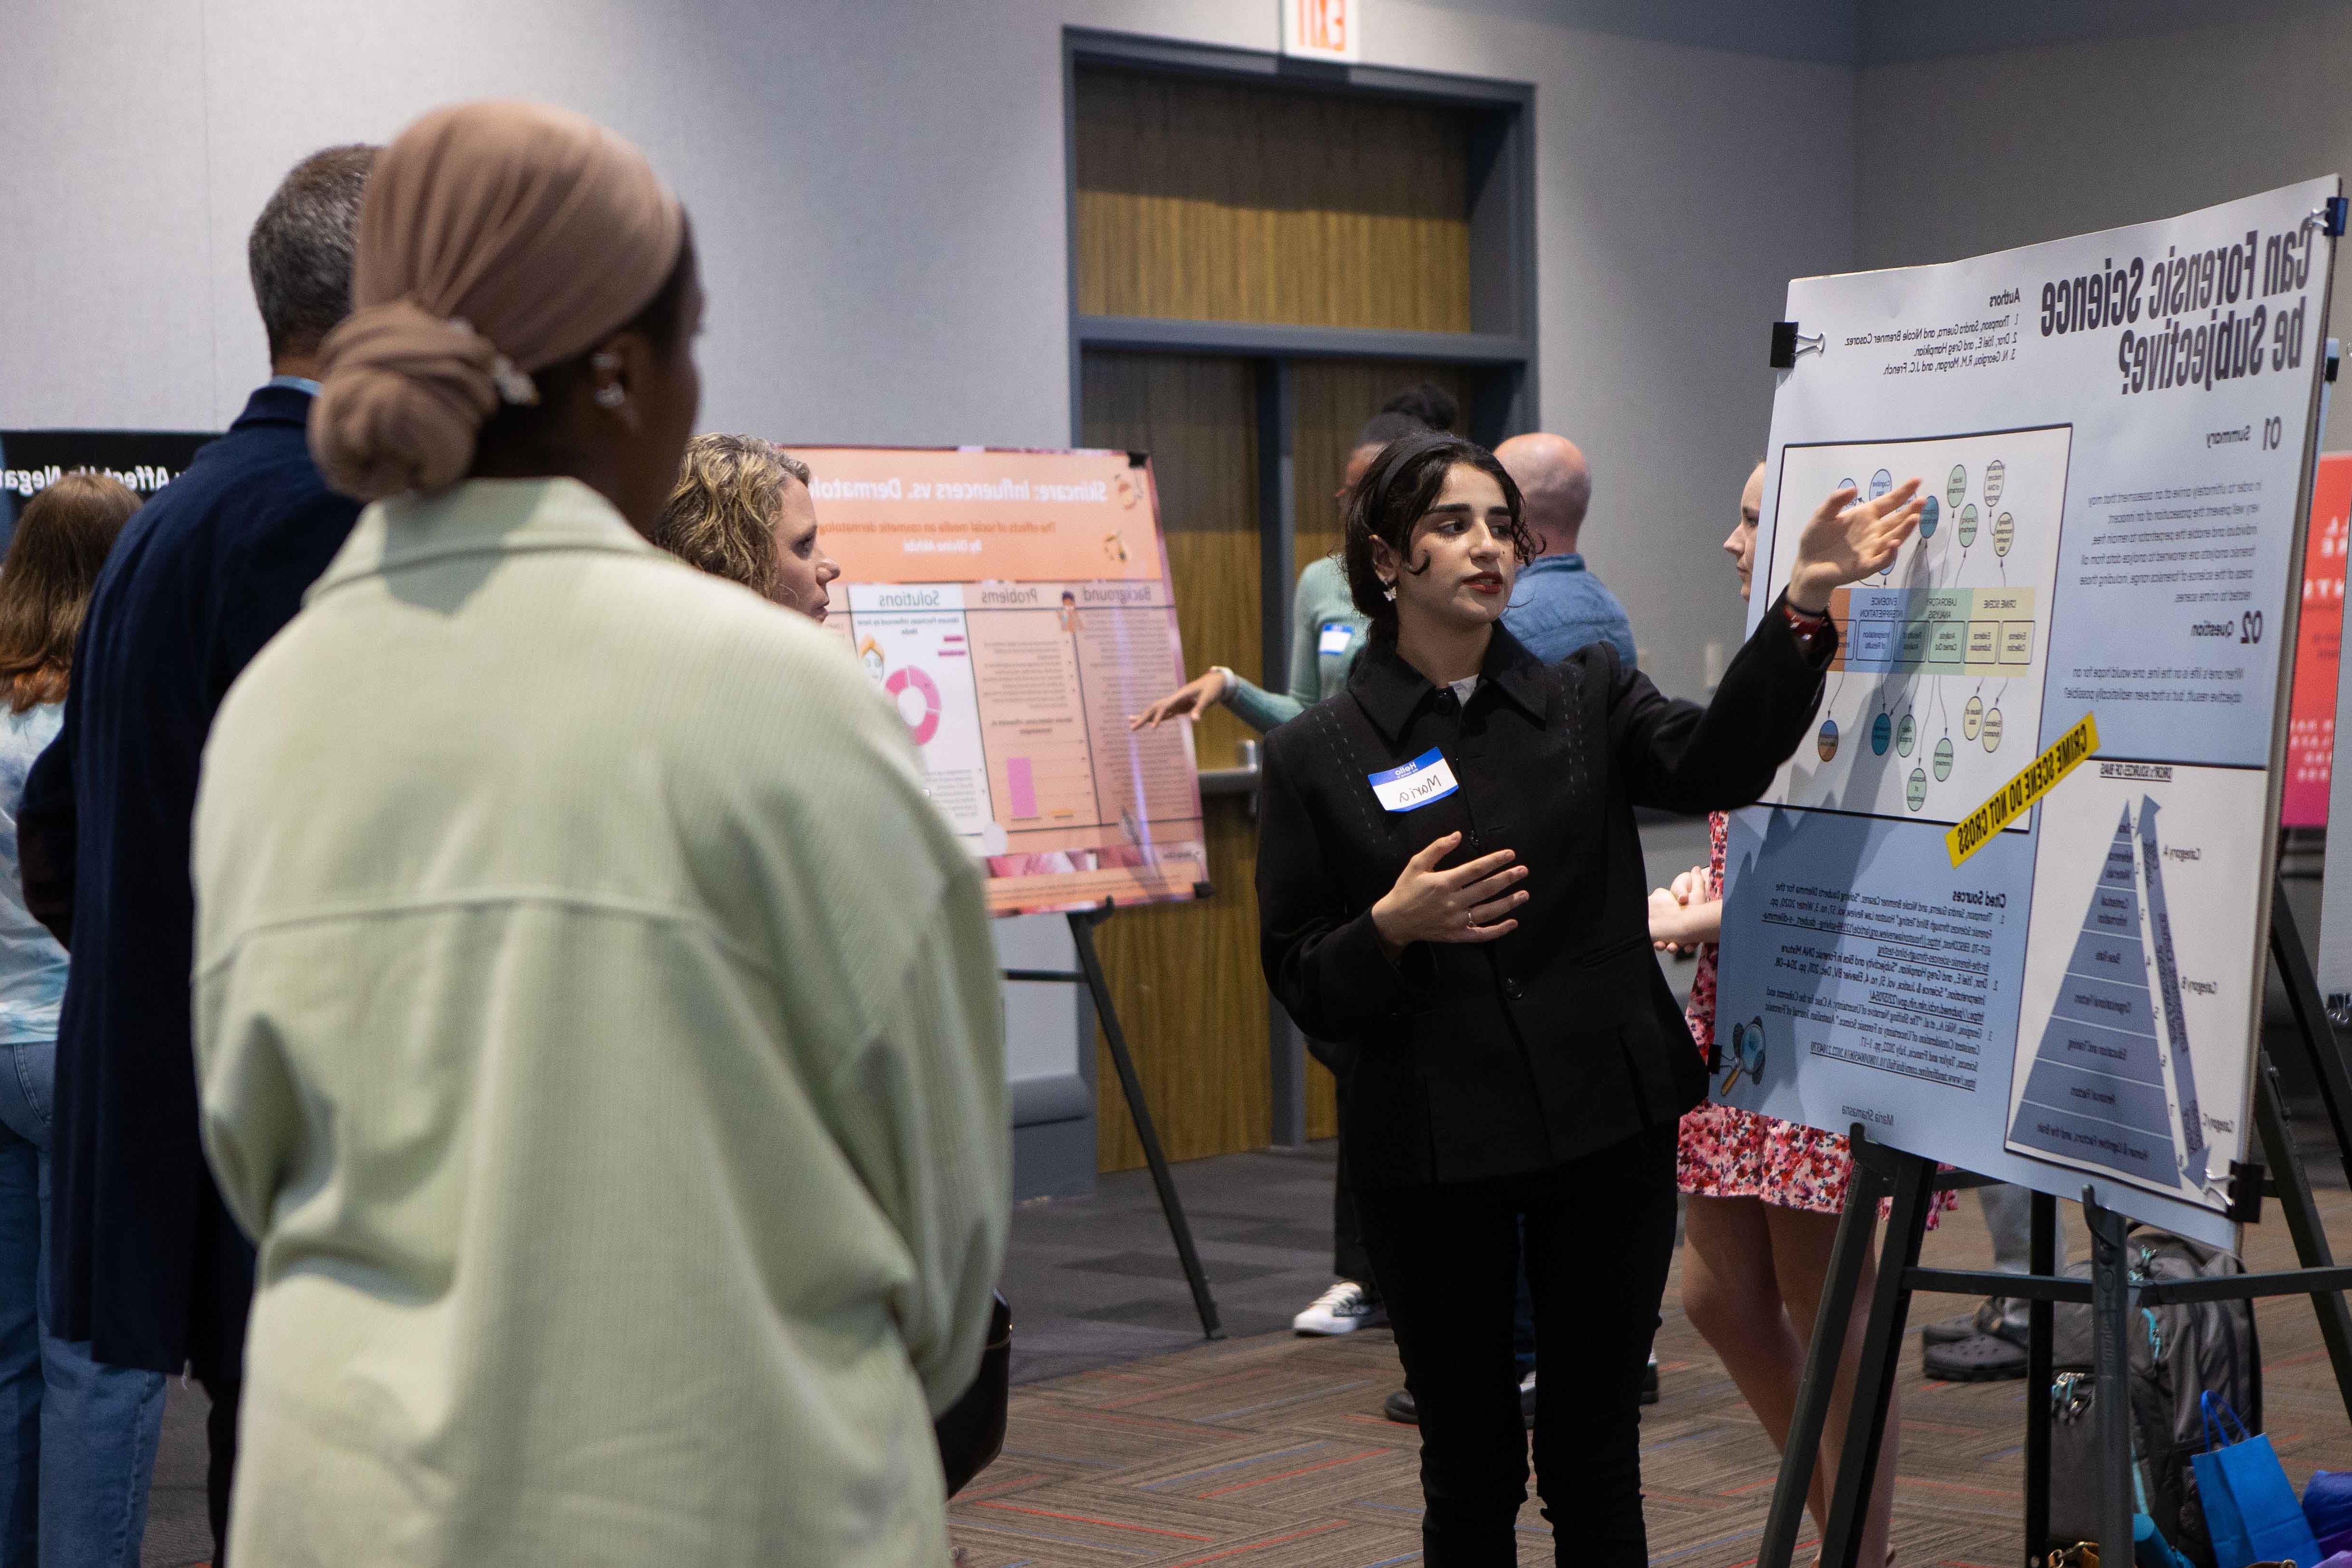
x,y
1341,1310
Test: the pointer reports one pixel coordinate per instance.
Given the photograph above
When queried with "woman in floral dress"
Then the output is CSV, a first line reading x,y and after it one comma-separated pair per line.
x,y
1765,1195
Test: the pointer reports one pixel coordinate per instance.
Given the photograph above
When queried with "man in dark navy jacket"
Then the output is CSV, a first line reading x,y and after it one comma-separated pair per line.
x,y
144,1261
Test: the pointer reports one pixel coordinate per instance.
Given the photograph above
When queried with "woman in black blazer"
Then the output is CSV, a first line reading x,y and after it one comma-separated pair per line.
x,y
1449,878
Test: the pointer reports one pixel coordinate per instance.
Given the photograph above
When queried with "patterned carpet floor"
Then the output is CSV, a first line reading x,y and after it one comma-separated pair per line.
x,y
1271,1452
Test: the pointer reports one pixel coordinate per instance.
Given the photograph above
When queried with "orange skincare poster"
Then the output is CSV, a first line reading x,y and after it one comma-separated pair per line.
x,y
2319,636
1014,607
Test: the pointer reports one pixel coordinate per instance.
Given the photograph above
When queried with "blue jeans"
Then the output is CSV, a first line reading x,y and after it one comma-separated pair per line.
x,y
77,1439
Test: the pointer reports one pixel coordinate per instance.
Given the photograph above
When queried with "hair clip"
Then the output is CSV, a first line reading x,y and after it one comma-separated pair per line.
x,y
514,384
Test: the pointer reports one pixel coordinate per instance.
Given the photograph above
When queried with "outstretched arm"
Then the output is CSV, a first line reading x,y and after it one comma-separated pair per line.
x,y
1683,757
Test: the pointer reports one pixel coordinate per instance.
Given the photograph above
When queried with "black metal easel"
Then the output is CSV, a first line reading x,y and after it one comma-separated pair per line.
x,y
1912,1182
1090,973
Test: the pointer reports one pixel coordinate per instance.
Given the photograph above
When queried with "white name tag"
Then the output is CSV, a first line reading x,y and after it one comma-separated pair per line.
x,y
1337,637
1415,783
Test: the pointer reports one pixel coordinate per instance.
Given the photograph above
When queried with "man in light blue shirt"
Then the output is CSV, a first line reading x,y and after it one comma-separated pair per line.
x,y
1558,606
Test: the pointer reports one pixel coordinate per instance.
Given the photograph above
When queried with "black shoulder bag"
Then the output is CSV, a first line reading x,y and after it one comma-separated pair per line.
x,y
971,1431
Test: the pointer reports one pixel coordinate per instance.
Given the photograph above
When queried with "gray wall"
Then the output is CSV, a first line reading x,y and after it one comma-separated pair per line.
x,y
1971,154
878,191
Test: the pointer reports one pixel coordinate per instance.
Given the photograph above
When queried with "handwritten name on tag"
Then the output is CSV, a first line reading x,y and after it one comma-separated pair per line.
x,y
1414,785
1337,637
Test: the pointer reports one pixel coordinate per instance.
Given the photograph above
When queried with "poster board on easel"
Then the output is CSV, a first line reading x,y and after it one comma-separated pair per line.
x,y
2117,434
1015,607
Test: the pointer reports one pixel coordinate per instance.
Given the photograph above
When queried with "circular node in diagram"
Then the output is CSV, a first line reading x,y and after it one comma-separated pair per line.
x,y
1956,489
1905,733
1992,731
1880,483
907,677
1848,484
1968,526
2004,533
1881,730
1972,718
1996,477
1930,514
1943,759
1914,792
1826,741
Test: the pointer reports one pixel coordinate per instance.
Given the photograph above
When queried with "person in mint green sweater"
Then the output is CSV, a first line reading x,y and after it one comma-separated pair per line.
x,y
1326,630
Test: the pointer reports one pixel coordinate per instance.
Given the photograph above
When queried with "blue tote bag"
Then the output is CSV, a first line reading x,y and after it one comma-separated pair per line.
x,y
2250,1505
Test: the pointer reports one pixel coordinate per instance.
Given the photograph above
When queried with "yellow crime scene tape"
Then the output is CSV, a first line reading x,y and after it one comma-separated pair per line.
x,y
1974,831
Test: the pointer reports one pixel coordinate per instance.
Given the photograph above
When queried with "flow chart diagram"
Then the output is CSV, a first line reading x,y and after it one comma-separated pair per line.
x,y
1940,660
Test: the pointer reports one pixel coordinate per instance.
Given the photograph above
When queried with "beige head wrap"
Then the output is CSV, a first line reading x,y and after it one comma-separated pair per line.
x,y
494,239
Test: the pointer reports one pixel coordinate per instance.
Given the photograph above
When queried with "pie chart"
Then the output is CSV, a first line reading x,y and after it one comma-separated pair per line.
x,y
907,677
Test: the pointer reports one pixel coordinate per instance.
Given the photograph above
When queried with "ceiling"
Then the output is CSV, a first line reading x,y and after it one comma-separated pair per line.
x,y
1871,33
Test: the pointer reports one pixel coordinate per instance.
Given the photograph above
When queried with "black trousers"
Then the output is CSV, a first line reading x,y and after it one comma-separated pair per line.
x,y
1600,1233
220,1473
1348,1258
216,1356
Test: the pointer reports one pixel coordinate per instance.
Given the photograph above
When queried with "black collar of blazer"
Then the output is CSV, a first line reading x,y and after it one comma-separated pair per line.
x,y
1392,691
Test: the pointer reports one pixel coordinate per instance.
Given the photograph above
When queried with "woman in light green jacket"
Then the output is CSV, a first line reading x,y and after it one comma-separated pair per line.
x,y
597,1029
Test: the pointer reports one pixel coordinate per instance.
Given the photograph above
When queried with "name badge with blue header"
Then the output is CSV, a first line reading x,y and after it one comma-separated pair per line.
x,y
1414,785
1337,637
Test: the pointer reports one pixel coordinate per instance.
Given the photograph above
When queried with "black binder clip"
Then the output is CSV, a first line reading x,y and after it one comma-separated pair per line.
x,y
2245,1192
2329,216
1787,343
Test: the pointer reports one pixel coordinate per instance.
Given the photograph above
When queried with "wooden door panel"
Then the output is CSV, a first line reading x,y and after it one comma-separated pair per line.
x,y
1217,202
1333,398
1185,976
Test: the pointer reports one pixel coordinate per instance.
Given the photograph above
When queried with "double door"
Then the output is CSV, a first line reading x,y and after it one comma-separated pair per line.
x,y
1186,977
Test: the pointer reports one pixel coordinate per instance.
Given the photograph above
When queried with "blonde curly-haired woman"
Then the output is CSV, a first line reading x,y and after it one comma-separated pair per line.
x,y
742,510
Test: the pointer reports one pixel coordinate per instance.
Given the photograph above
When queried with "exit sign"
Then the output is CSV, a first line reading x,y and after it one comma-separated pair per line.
x,y
1323,29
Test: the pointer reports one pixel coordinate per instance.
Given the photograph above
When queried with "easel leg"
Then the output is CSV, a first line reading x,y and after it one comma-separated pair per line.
x,y
1880,1363
2042,1259
1082,933
2304,1222
2111,1310
2329,1065
1864,1189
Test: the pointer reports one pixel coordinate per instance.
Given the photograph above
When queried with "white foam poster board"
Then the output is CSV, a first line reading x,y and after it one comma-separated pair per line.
x,y
2115,435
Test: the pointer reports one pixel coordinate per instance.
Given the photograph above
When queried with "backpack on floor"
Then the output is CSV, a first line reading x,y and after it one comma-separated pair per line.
x,y
2178,1351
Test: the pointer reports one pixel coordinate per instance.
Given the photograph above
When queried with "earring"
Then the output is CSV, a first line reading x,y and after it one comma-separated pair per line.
x,y
612,395
1388,591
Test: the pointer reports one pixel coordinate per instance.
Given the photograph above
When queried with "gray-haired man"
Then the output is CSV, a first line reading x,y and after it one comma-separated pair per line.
x,y
144,1261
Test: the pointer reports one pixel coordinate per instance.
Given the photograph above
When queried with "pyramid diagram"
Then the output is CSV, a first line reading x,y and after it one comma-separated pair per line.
x,y
2180,1072
2101,1090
